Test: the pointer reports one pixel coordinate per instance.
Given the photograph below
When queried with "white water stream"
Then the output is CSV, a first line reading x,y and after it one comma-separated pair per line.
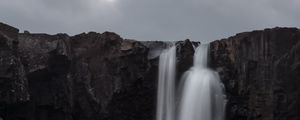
x,y
166,85
202,96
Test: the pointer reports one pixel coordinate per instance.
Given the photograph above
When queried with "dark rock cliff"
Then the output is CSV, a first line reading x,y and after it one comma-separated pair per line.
x,y
261,73
93,76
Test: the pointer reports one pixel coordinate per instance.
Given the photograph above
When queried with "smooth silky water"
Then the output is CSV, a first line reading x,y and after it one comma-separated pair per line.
x,y
201,96
166,85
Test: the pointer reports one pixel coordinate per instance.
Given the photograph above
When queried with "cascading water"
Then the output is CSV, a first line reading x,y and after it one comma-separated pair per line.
x,y
202,96
166,85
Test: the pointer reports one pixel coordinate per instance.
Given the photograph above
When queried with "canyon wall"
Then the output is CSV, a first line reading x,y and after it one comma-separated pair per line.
x,y
93,76
261,73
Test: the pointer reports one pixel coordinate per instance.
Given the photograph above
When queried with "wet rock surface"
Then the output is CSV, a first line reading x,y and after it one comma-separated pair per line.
x,y
101,76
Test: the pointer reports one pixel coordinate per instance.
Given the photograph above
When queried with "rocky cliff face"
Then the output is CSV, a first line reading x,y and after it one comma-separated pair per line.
x,y
260,70
93,76
14,90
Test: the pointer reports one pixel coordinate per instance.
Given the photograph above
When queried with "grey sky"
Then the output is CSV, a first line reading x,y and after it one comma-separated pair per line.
x,y
203,20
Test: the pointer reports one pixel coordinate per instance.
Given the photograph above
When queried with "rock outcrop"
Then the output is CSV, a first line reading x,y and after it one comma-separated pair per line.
x,y
93,76
260,70
14,90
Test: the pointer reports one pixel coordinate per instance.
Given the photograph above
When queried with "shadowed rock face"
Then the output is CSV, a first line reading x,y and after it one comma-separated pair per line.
x,y
93,76
13,83
260,70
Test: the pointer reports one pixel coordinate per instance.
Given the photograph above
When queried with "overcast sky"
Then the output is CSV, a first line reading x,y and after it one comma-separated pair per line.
x,y
199,20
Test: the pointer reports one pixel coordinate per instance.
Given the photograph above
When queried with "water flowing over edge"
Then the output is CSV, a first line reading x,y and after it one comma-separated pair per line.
x,y
166,85
203,95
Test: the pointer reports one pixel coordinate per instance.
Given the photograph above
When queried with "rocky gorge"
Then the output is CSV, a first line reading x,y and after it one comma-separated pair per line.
x,y
101,76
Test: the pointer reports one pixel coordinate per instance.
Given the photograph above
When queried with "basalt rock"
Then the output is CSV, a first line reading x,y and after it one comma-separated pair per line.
x,y
101,76
13,82
260,70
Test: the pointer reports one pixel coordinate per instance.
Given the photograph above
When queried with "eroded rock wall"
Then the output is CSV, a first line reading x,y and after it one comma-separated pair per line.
x,y
260,70
13,81
90,76
93,76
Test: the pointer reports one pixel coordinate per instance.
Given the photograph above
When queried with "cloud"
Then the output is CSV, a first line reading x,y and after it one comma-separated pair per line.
x,y
203,20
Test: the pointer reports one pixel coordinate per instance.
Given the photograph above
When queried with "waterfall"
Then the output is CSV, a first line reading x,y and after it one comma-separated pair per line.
x,y
166,85
202,94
